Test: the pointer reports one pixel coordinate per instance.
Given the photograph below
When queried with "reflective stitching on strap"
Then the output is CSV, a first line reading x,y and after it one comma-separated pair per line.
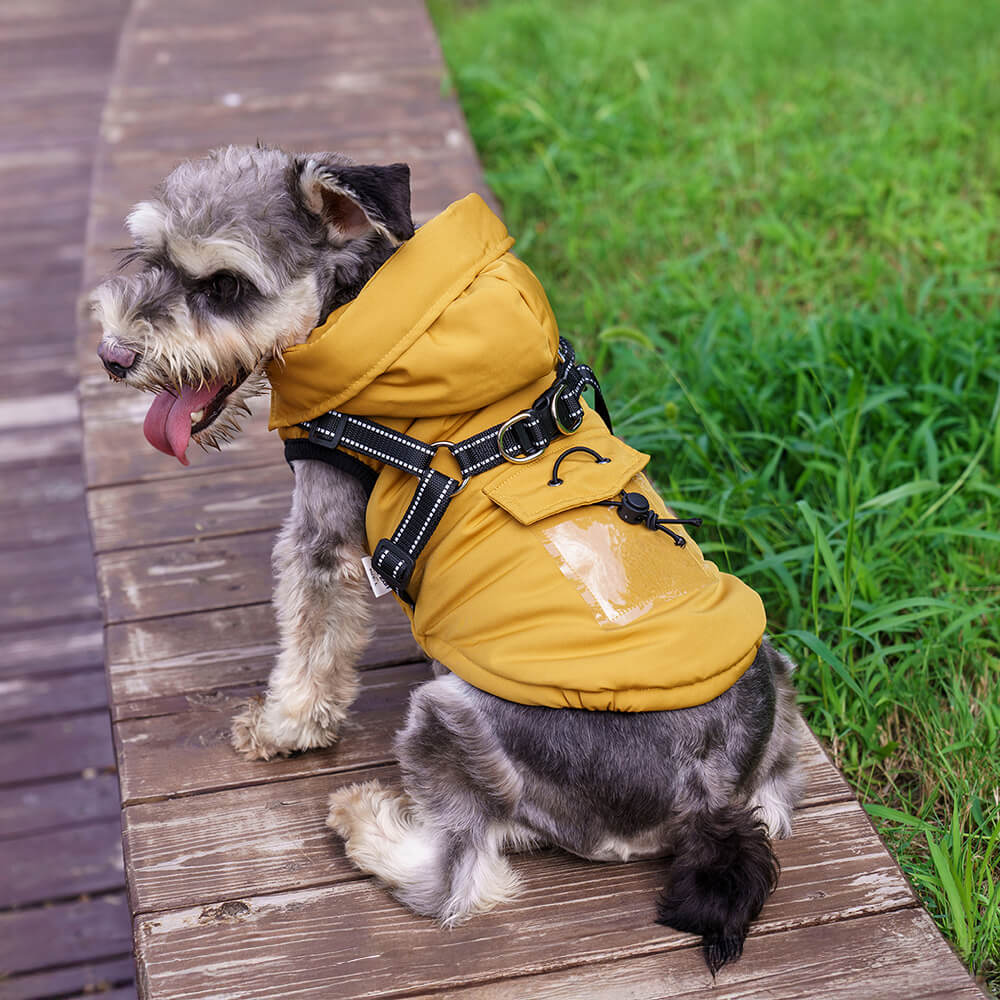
x,y
535,427
442,497
392,460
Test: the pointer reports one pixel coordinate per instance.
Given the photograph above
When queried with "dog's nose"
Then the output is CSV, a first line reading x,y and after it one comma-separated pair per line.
x,y
117,360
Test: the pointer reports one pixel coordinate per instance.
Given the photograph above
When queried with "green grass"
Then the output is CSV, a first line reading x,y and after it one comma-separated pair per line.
x,y
775,228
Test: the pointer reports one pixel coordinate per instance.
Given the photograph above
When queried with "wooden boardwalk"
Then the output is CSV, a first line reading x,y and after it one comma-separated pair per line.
x,y
235,886
64,921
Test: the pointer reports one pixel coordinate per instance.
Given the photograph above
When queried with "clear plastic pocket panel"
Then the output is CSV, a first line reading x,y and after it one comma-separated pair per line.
x,y
623,571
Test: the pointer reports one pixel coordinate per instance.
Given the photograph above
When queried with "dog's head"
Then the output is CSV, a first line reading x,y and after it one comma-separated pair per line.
x,y
240,255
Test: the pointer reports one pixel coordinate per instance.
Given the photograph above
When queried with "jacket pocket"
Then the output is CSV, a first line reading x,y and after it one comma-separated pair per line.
x,y
528,492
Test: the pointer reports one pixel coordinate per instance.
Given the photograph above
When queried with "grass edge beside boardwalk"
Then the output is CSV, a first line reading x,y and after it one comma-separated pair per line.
x,y
776,231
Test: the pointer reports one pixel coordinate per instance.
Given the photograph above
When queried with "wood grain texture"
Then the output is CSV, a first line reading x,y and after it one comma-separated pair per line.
x,y
50,695
48,583
41,504
887,956
64,934
52,647
188,751
55,60
55,748
166,657
48,805
216,502
122,993
187,576
57,864
353,940
271,837
59,443
94,980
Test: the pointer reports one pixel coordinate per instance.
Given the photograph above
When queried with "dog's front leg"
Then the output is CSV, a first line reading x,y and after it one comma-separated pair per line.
x,y
322,604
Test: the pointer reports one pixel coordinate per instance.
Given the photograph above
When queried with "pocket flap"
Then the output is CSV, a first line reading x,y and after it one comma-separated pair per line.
x,y
526,494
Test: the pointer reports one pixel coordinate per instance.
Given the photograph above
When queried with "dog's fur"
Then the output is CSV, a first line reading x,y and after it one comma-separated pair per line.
x,y
241,255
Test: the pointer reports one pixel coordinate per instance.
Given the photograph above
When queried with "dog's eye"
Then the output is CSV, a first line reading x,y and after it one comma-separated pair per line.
x,y
223,287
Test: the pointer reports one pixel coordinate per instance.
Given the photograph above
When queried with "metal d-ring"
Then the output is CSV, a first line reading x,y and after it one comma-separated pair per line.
x,y
517,459
554,410
555,480
450,445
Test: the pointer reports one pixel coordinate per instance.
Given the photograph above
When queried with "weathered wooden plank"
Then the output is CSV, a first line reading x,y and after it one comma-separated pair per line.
x,y
39,411
94,980
122,993
67,933
40,502
49,695
34,368
53,748
260,839
353,940
54,804
59,443
166,657
186,750
271,838
191,508
189,751
46,647
882,957
55,57
31,520
48,583
214,573
193,576
86,858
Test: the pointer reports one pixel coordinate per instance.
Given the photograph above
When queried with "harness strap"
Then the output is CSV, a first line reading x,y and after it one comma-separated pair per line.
x,y
520,439
394,559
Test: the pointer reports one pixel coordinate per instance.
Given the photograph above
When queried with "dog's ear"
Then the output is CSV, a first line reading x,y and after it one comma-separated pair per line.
x,y
355,200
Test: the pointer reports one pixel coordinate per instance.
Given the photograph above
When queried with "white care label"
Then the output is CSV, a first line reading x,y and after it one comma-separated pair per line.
x,y
378,585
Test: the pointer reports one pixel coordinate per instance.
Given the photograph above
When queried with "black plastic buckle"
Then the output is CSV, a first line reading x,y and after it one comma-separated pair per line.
x,y
327,436
393,564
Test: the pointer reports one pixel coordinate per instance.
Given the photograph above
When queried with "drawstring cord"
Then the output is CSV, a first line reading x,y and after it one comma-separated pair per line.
x,y
632,508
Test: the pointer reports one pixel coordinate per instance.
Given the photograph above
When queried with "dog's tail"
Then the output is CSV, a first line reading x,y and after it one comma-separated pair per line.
x,y
723,871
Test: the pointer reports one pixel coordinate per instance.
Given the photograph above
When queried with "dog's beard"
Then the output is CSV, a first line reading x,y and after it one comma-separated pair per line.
x,y
229,420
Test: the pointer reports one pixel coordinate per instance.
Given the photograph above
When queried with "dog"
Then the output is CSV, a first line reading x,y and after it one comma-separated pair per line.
x,y
239,257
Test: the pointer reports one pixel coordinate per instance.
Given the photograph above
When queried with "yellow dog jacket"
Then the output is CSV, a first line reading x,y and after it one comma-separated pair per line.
x,y
524,588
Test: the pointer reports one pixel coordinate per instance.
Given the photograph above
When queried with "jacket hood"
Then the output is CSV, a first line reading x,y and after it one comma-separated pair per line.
x,y
403,347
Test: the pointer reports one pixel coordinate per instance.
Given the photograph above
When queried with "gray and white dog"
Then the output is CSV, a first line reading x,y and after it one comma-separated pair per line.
x,y
240,255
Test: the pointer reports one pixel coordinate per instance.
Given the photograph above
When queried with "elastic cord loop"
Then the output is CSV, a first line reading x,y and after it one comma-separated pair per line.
x,y
600,459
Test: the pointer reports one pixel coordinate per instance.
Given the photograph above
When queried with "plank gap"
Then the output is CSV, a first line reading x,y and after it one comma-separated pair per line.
x,y
273,779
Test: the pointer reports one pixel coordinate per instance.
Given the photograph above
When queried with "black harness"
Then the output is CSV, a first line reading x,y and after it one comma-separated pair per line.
x,y
522,438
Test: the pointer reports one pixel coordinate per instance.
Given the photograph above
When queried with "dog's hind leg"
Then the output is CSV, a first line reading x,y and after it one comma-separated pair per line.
x,y
445,874
439,846
322,603
778,780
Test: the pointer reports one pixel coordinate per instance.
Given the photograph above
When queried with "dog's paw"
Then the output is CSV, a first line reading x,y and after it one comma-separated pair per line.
x,y
262,732
249,735
353,807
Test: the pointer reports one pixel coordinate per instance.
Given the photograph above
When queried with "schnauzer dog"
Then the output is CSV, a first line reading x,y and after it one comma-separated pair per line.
x,y
240,257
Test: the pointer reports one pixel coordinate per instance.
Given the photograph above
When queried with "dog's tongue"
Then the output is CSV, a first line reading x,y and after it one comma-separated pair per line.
x,y
168,423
